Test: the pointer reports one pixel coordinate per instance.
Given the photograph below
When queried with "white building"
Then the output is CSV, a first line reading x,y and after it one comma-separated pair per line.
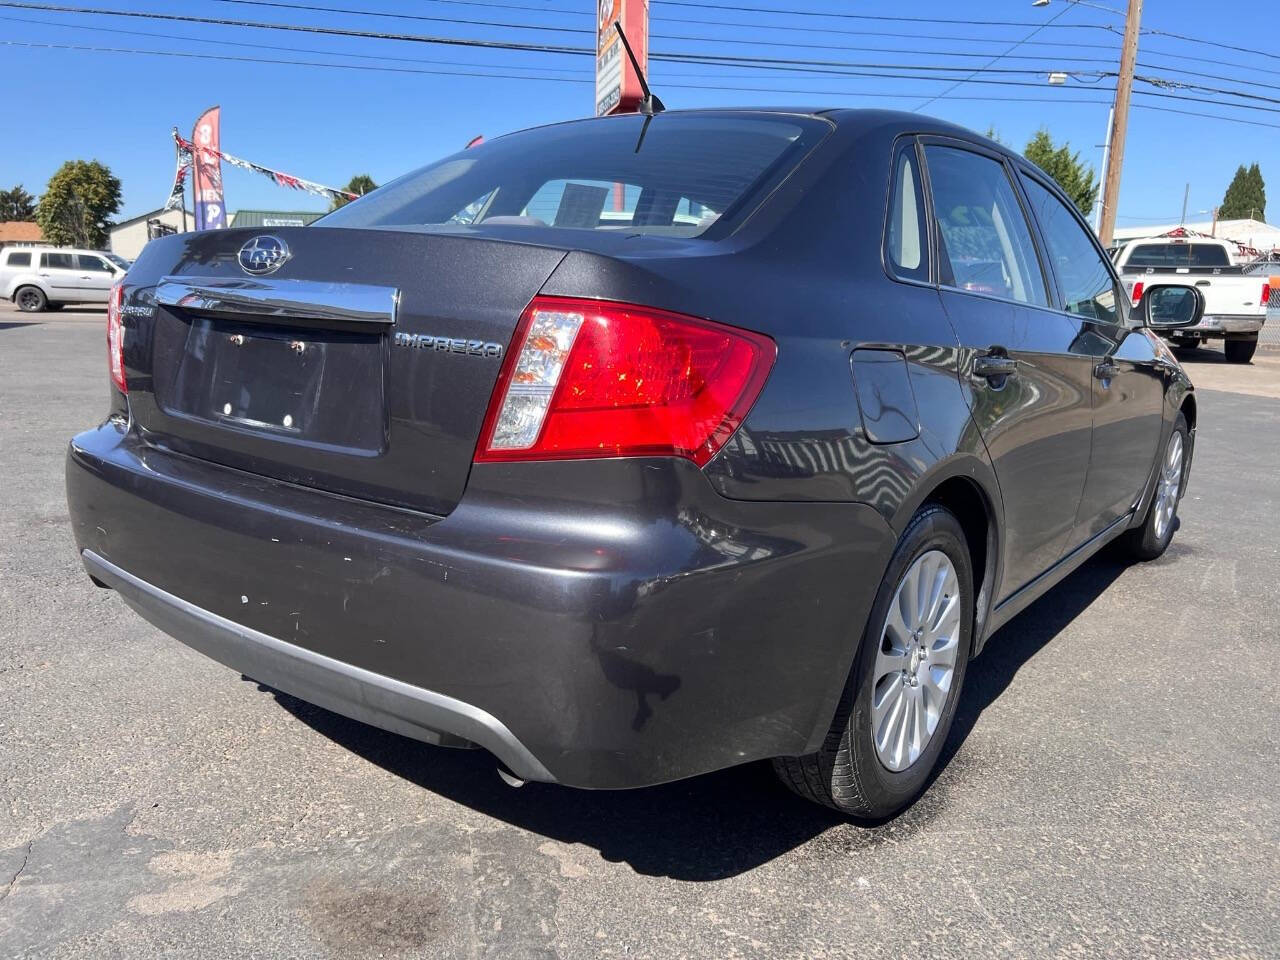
x,y
128,237
1253,233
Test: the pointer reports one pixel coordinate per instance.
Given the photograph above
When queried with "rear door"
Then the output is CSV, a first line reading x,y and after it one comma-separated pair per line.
x,y
61,273
1128,377
1029,392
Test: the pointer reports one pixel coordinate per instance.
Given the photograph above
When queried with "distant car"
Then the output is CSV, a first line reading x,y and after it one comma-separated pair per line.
x,y
1236,295
628,460
48,278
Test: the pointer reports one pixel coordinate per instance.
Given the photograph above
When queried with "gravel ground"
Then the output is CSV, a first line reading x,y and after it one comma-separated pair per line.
x,y
1111,789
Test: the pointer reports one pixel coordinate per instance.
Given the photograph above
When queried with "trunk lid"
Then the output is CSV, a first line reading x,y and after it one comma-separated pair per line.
x,y
362,363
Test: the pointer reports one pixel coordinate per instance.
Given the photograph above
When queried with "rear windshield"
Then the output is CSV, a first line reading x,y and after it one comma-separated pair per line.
x,y
1178,255
689,172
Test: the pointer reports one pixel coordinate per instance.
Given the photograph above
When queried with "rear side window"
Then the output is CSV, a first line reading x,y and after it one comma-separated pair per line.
x,y
19,260
1174,255
58,261
985,244
689,172
1087,287
905,245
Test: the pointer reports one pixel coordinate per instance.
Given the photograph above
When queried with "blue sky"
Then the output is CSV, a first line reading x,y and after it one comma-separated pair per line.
x,y
326,124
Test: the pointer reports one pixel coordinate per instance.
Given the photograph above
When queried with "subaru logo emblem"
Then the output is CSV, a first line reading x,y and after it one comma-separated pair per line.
x,y
263,255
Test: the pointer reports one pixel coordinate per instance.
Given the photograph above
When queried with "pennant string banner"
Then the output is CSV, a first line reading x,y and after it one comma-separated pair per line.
x,y
283,179
176,193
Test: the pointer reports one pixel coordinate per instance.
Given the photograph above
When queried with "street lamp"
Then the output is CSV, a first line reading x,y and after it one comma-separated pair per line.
x,y
1082,3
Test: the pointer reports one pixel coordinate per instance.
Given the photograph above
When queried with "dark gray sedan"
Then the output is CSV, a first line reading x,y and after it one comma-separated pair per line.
x,y
632,458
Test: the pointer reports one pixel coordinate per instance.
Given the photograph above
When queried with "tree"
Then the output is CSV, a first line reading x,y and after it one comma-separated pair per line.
x,y
1076,180
75,206
1246,197
360,184
17,204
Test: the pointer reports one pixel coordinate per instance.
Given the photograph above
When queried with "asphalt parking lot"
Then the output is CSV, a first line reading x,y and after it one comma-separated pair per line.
x,y
1112,788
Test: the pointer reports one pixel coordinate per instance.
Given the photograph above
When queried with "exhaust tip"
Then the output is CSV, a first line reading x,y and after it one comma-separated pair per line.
x,y
509,778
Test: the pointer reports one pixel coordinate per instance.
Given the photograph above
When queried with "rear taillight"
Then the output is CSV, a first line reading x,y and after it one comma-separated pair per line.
x,y
115,337
1137,292
1266,294
589,378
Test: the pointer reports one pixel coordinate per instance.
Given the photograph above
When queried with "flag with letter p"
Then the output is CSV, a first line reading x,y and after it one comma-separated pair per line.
x,y
206,181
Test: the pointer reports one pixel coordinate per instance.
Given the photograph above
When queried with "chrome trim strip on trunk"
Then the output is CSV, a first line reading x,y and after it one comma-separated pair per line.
x,y
247,297
333,684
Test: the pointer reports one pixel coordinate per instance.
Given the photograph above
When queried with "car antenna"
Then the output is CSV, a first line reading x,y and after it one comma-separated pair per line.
x,y
650,104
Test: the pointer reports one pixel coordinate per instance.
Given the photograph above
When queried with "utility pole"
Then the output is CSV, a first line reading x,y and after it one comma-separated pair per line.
x,y
1120,122
1185,194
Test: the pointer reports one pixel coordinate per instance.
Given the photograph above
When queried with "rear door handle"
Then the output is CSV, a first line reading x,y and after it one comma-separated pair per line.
x,y
1105,369
1203,283
995,364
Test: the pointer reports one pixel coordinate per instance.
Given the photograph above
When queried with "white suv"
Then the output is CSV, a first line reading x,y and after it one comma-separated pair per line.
x,y
44,278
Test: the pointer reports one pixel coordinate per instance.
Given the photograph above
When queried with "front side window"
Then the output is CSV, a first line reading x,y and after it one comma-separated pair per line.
x,y
57,261
1087,287
92,264
984,240
688,172
905,245
19,260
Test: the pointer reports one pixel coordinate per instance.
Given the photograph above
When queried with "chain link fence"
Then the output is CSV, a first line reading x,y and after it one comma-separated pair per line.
x,y
1270,335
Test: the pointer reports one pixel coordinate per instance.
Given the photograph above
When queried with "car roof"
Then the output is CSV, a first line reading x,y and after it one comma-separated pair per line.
x,y
855,120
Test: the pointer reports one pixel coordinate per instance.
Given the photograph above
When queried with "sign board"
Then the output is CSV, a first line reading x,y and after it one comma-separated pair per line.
x,y
617,86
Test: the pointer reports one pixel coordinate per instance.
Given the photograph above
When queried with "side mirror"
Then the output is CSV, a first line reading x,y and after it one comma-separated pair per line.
x,y
1170,306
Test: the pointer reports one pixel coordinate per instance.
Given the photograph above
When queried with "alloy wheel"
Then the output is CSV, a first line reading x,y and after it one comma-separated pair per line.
x,y
1168,485
915,662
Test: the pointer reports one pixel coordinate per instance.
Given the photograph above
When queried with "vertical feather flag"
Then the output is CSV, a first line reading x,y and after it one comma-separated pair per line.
x,y
206,184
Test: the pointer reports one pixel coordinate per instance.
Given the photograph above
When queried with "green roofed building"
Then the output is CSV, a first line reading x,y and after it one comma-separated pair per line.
x,y
273,218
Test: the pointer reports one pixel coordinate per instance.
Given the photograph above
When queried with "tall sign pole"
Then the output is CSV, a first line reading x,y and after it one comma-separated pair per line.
x,y
618,87
1120,122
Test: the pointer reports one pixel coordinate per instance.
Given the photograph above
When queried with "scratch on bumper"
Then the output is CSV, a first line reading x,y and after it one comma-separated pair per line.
x,y
346,689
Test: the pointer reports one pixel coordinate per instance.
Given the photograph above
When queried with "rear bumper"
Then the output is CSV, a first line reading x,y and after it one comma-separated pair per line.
x,y
332,684
608,623
1219,324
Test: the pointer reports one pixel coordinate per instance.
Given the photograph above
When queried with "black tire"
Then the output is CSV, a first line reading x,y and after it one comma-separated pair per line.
x,y
1239,351
846,774
1145,543
30,299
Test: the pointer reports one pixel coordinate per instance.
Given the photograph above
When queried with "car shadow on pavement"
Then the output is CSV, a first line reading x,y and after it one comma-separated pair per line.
x,y
721,824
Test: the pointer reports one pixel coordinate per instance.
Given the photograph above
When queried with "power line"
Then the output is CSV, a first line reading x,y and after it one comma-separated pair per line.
x,y
844,68
703,5
653,35
739,8
720,59
991,62
187,38
490,74
301,28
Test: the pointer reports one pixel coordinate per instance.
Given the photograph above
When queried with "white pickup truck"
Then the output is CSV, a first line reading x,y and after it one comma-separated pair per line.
x,y
1235,295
